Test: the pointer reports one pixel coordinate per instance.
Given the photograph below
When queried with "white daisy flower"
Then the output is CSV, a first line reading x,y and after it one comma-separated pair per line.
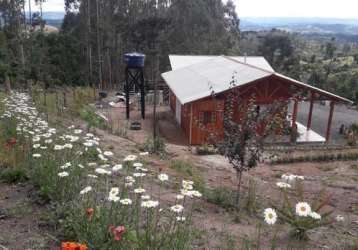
x,y
130,158
315,215
108,153
126,201
63,174
163,177
114,191
177,208
77,131
283,185
180,218
36,155
86,190
303,209
180,197
137,165
48,141
130,179
102,171
270,216
113,198
143,153
58,147
88,144
139,174
145,197
149,204
117,167
139,190
36,145
339,218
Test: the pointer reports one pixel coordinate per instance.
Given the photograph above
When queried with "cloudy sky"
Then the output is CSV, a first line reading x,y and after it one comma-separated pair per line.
x,y
274,8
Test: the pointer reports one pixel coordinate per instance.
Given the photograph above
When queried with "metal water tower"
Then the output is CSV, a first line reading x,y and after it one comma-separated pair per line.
x,y
134,78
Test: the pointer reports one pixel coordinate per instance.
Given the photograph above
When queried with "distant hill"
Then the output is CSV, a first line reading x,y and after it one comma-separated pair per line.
x,y
301,25
53,18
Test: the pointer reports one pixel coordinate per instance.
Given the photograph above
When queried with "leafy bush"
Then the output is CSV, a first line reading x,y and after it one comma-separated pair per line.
x,y
10,175
154,146
206,149
93,120
221,196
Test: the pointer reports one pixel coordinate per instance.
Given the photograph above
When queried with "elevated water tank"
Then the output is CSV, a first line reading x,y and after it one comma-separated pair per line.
x,y
134,60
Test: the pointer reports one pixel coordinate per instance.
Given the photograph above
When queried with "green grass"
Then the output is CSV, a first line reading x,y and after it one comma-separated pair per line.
x,y
10,175
188,171
222,197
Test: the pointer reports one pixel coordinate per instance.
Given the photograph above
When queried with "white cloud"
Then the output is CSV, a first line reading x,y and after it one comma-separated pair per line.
x,y
49,5
298,8
267,8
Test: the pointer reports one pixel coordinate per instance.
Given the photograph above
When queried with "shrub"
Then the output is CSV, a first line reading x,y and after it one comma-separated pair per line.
x,y
154,145
11,175
221,196
92,118
206,149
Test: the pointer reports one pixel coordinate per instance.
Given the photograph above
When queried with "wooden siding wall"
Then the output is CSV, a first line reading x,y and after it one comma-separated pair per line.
x,y
172,101
265,91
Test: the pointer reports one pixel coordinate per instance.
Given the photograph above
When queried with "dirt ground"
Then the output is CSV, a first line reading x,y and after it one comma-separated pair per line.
x,y
22,221
338,179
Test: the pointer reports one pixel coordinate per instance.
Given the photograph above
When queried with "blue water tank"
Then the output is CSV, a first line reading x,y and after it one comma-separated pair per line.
x,y
135,60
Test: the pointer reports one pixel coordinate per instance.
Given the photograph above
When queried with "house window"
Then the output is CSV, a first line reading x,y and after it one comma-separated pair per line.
x,y
207,117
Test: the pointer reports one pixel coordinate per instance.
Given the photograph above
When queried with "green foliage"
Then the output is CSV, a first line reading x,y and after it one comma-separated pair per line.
x,y
190,172
206,149
301,224
251,203
222,196
89,115
13,175
325,157
154,145
183,167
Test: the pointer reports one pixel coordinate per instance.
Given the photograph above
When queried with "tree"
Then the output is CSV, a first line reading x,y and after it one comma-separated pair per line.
x,y
243,139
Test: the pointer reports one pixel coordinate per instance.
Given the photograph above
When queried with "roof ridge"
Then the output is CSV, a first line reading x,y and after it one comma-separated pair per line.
x,y
250,65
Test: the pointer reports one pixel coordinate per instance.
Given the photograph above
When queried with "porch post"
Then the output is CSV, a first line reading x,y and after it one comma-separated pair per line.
x,y
294,119
294,113
309,122
329,125
191,124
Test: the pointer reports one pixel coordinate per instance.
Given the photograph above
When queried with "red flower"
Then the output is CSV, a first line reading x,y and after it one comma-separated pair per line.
x,y
89,212
10,143
117,231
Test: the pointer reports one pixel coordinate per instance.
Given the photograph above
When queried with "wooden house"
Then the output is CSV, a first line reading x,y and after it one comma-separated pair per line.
x,y
193,80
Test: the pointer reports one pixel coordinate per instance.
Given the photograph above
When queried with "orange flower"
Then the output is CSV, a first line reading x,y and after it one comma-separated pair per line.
x,y
89,212
73,246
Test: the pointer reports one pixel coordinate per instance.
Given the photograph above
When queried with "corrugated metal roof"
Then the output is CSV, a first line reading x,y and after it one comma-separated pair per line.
x,y
211,75
214,74
315,89
181,61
